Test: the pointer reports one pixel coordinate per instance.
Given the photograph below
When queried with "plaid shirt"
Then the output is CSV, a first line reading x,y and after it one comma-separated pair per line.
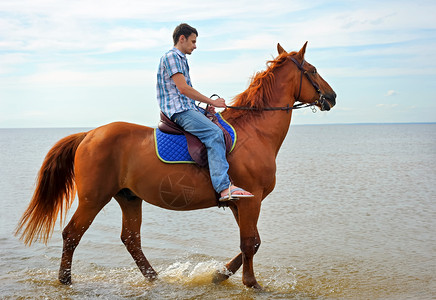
x,y
170,99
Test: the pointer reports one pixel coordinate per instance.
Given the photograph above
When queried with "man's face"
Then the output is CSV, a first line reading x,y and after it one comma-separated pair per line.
x,y
188,44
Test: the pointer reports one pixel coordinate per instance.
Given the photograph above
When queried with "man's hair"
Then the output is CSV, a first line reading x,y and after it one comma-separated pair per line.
x,y
185,30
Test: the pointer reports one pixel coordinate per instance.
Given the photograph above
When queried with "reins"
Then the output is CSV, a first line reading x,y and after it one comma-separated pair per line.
x,y
286,108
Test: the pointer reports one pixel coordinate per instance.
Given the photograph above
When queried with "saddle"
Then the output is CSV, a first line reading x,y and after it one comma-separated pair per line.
x,y
197,150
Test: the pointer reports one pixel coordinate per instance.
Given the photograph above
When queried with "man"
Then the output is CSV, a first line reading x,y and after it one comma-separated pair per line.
x,y
177,97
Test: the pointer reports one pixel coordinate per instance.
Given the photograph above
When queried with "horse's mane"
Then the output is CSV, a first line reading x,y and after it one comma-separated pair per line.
x,y
260,90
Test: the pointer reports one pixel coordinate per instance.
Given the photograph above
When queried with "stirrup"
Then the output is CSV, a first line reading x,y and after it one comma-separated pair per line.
x,y
230,193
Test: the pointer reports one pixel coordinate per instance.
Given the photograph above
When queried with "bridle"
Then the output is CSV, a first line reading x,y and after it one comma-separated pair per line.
x,y
287,108
321,99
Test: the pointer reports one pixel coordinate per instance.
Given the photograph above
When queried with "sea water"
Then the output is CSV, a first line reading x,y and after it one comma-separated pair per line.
x,y
352,216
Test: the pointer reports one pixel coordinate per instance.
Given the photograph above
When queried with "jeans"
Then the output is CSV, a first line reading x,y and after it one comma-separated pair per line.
x,y
212,137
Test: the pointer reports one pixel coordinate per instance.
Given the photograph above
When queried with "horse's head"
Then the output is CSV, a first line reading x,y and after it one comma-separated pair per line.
x,y
312,88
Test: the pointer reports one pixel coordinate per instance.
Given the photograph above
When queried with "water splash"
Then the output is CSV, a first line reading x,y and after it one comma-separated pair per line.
x,y
191,273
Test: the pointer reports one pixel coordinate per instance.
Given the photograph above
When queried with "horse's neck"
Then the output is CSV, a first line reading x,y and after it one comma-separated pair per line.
x,y
270,127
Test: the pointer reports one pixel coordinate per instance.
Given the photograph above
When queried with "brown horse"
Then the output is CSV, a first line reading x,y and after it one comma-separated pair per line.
x,y
118,161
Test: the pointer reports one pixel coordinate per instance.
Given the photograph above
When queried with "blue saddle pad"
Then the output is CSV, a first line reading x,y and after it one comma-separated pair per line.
x,y
172,148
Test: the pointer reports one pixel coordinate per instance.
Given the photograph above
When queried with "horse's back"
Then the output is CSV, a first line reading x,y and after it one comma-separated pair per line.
x,y
116,134
107,151
121,129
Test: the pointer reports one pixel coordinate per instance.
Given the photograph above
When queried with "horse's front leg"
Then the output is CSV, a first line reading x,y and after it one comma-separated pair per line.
x,y
248,209
232,266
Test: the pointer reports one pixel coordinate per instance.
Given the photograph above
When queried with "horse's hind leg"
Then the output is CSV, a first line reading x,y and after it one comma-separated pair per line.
x,y
230,268
73,232
131,233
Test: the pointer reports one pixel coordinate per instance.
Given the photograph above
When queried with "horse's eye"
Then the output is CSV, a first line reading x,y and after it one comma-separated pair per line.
x,y
314,71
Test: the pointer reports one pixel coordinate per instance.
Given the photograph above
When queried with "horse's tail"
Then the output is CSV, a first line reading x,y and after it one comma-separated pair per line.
x,y
55,191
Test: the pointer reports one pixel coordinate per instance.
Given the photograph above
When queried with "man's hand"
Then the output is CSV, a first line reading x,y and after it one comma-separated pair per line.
x,y
220,102
192,93
211,110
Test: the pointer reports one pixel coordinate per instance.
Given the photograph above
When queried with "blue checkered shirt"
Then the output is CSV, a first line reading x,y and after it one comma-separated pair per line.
x,y
170,99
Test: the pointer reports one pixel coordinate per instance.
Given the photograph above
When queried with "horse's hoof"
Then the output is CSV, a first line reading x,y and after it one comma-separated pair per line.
x,y
151,278
254,285
219,277
257,287
65,277
65,281
150,274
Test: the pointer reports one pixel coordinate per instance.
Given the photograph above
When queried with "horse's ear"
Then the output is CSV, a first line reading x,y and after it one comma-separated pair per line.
x,y
302,51
280,49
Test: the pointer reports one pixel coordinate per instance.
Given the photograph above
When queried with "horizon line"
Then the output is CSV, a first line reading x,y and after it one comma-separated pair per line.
x,y
323,124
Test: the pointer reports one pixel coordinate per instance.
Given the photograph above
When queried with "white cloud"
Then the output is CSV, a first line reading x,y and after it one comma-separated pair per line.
x,y
68,78
9,62
382,105
125,38
115,26
160,11
391,93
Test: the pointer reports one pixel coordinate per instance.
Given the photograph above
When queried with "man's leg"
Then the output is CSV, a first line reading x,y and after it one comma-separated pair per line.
x,y
212,137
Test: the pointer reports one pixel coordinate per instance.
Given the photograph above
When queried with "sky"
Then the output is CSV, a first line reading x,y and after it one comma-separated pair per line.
x,y
86,63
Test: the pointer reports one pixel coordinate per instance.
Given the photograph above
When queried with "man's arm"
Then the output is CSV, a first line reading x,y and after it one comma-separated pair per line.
x,y
192,93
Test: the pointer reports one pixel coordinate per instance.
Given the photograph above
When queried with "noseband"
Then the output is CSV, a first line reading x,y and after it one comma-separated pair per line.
x,y
287,108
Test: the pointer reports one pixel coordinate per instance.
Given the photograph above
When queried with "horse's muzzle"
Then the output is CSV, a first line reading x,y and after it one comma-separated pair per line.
x,y
327,101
